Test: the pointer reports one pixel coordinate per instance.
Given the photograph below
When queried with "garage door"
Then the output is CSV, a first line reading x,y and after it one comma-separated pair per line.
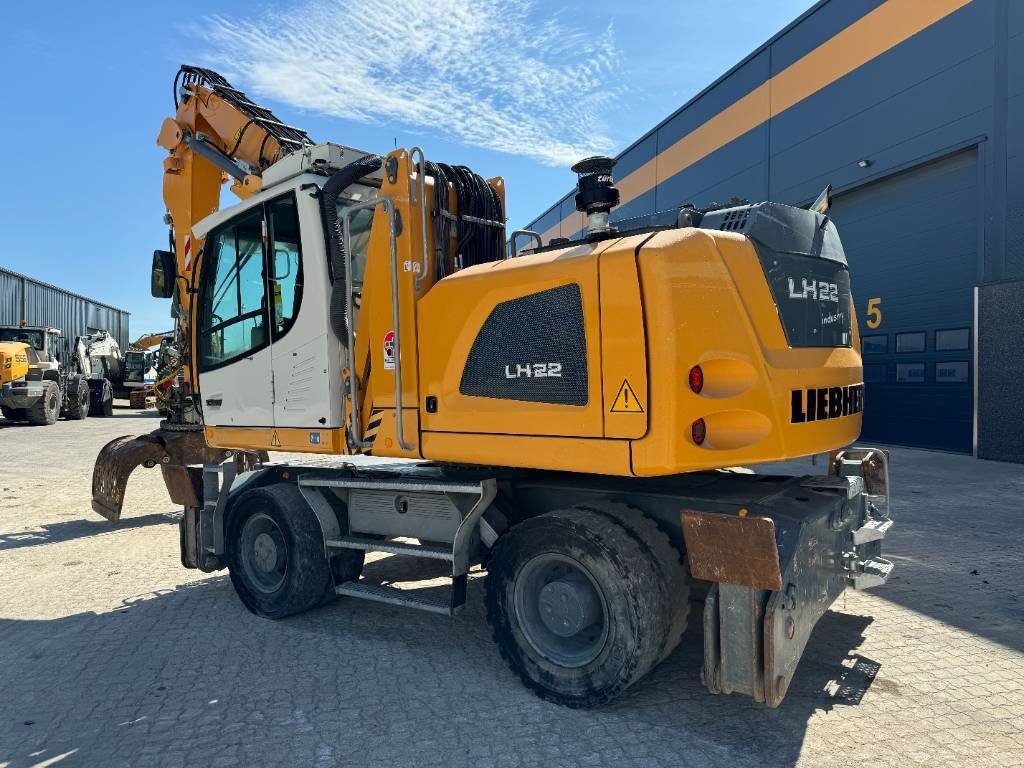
x,y
912,244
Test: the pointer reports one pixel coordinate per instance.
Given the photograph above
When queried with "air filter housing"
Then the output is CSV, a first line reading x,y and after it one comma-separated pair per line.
x,y
596,193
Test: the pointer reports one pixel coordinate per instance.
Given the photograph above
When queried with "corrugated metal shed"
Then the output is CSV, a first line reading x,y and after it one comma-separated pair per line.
x,y
39,303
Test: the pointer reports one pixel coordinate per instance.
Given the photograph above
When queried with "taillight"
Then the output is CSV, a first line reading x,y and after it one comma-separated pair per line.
x,y
696,379
699,431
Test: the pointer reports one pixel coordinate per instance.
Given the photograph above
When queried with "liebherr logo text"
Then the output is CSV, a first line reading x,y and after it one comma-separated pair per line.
x,y
826,403
533,370
813,289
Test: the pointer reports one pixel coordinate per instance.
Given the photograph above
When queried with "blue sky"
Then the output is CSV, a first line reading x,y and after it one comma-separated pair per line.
x,y
509,87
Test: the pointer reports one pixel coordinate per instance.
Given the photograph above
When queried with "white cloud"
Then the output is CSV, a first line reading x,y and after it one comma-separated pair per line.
x,y
483,72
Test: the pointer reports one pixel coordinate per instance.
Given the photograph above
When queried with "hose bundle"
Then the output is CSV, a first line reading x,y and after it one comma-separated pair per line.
x,y
474,233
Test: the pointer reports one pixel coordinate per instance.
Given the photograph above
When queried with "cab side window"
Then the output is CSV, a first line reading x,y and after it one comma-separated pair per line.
x,y
233,309
285,263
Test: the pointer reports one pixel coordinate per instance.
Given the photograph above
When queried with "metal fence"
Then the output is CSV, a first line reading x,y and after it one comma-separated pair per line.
x,y
38,303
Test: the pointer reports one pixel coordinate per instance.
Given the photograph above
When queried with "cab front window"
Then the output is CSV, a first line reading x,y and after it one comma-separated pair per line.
x,y
31,337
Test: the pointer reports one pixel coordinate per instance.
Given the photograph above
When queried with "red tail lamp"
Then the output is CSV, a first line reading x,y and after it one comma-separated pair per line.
x,y
699,431
696,379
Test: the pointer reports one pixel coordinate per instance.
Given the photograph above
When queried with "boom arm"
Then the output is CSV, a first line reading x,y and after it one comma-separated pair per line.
x,y
216,133
149,340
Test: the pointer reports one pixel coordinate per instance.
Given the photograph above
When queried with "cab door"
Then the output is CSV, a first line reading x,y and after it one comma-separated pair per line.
x,y
233,338
299,329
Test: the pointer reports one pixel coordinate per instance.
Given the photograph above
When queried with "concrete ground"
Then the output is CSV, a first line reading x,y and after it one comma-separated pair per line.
x,y
111,654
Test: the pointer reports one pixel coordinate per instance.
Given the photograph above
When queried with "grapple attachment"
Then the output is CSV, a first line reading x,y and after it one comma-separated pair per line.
x,y
174,451
115,464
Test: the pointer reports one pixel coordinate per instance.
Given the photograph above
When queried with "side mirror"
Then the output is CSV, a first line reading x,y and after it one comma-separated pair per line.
x,y
161,281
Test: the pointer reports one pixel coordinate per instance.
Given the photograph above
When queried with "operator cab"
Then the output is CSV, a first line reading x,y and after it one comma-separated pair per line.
x,y
263,293
44,340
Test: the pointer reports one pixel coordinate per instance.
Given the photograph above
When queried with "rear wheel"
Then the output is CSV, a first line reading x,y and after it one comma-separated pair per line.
x,y
78,400
669,560
13,414
46,409
276,555
578,606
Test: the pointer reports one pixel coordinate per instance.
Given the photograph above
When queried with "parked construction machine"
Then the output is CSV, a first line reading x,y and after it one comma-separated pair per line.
x,y
141,366
98,358
576,411
38,383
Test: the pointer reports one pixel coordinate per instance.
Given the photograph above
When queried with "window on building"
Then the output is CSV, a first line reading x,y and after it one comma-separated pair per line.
x,y
874,372
956,372
953,340
874,345
910,373
910,342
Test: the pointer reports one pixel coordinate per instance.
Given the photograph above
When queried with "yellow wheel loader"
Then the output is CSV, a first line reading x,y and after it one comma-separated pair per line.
x,y
573,409
36,385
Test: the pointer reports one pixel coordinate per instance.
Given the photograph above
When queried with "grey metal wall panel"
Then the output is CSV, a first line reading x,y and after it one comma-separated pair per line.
x,y
741,162
1015,17
1000,340
38,303
547,221
727,91
911,242
822,23
1013,261
637,155
638,206
932,55
10,298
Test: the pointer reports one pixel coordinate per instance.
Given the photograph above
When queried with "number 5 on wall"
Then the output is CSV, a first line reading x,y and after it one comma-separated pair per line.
x,y
874,313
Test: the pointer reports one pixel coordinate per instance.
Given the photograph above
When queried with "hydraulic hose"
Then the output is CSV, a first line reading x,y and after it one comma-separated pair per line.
x,y
329,195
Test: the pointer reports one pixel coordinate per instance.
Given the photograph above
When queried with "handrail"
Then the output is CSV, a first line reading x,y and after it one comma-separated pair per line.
x,y
355,427
421,181
530,233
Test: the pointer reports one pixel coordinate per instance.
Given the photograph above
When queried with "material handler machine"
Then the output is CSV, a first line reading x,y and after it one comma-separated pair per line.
x,y
577,409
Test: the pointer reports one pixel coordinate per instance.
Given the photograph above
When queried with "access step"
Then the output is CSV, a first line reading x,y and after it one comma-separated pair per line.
x,y
401,597
873,573
872,530
392,547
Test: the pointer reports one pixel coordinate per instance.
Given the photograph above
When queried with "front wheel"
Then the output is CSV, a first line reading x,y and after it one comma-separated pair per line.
x,y
77,400
276,555
579,607
46,409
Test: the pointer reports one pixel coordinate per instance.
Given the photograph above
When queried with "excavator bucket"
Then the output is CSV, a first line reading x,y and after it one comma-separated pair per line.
x,y
115,464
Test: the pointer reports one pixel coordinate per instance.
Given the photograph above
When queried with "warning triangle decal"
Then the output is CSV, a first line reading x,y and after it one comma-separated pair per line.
x,y
275,441
626,401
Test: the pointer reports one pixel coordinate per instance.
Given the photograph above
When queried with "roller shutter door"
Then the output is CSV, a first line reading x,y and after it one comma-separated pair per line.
x,y
912,245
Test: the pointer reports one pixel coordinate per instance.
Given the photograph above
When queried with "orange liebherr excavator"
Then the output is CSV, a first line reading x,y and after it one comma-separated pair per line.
x,y
575,403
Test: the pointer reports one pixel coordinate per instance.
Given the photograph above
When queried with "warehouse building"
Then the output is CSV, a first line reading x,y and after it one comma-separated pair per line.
x,y
913,110
23,299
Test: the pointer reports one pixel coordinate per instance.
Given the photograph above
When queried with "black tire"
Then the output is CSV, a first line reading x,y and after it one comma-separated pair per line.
x,y
13,414
635,606
46,409
78,400
669,559
300,576
101,398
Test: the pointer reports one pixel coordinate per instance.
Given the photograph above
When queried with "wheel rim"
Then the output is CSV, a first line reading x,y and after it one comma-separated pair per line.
x,y
561,610
264,553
